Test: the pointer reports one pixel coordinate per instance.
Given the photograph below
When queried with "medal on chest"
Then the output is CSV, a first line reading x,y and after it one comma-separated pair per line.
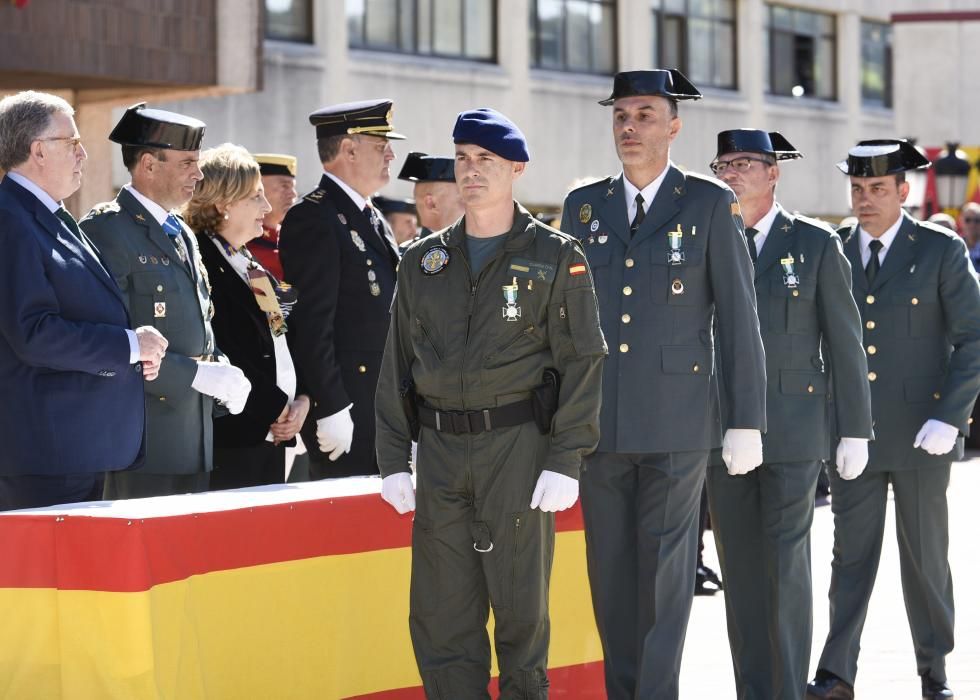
x,y
511,311
790,278
675,256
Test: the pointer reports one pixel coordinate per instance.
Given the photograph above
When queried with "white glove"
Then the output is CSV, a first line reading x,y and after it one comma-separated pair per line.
x,y
554,491
936,437
397,491
224,382
741,449
335,434
852,457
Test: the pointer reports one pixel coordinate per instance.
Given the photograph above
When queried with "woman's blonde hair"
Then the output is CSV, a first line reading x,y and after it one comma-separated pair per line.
x,y
230,174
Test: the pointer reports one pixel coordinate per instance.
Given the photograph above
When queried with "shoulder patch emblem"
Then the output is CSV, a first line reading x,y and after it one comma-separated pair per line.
x,y
736,209
315,196
434,261
585,213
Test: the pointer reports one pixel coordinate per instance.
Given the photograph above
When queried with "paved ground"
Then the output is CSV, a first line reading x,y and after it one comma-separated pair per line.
x,y
887,664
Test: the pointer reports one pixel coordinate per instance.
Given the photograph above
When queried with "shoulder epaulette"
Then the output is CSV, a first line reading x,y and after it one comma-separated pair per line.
x,y
110,207
316,195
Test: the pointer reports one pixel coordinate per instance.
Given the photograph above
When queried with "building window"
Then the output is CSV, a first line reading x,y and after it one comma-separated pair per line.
x,y
802,50
448,28
876,64
698,38
289,20
573,35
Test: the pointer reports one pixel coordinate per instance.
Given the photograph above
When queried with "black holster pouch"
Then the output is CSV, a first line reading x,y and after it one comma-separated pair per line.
x,y
410,405
544,400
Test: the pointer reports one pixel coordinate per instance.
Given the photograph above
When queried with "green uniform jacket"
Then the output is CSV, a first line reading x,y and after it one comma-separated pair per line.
x,y
451,334
160,291
794,321
658,393
922,336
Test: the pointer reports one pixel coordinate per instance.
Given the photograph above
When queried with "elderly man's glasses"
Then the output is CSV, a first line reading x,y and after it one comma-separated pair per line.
x,y
740,165
73,141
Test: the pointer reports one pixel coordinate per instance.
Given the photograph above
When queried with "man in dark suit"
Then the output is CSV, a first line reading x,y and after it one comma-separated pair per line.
x,y
920,307
70,367
340,254
761,520
670,262
154,258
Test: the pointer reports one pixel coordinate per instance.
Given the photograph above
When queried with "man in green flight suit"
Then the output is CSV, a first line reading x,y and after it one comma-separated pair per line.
x,y
670,264
495,321
761,520
920,307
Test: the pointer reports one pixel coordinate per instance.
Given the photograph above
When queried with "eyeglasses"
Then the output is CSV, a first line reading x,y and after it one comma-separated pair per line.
x,y
73,141
970,220
739,164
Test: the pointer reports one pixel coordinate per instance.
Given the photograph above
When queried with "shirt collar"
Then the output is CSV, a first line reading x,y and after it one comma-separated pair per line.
x,y
887,238
648,192
156,211
764,224
29,185
358,200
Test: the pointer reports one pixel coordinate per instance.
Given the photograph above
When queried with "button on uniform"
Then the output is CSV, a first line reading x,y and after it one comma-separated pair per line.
x,y
870,325
627,318
870,298
624,347
872,376
629,262
361,369
627,290
872,349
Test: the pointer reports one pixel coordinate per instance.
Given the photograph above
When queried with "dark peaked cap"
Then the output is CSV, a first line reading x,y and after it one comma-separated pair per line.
x,y
878,157
158,128
420,167
371,117
663,82
756,141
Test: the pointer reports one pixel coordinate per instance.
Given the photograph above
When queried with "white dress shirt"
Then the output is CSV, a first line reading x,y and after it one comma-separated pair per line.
x,y
763,227
649,192
887,238
359,201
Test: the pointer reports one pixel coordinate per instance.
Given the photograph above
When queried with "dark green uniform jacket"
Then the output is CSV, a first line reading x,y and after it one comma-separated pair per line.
x,y
657,316
922,335
161,291
451,333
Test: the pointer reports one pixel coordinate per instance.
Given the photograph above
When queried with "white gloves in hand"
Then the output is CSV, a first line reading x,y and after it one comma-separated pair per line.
x,y
335,433
397,491
224,382
852,457
936,437
554,491
741,449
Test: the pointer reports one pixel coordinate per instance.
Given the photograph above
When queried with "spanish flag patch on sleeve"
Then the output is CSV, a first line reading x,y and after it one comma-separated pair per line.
x,y
736,210
576,269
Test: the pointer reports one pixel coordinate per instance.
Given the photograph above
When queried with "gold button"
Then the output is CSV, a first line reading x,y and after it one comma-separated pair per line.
x,y
159,287
163,398
809,389
872,376
796,292
362,369
870,325
969,421
696,368
627,290
872,349
629,262
370,262
915,301
627,318
624,348
870,299
937,396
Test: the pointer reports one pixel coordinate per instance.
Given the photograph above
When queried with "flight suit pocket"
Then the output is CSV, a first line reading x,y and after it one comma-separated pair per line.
x,y
428,578
522,343
524,560
150,300
671,283
582,314
793,309
792,382
923,389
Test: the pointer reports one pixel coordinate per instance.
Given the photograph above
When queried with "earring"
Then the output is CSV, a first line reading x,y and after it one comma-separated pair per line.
x,y
226,216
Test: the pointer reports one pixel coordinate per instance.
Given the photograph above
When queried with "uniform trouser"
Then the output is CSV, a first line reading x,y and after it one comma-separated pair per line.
x,y
641,527
761,523
922,525
476,490
139,485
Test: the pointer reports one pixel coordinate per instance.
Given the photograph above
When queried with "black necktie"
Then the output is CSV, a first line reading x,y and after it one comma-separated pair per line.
x,y
874,264
751,233
638,217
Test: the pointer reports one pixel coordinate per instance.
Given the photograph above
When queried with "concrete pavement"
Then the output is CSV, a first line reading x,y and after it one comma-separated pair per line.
x,y
887,663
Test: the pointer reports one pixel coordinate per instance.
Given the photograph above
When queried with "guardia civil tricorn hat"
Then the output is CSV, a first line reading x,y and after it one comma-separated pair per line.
x,y
158,128
420,167
663,82
879,157
370,117
771,143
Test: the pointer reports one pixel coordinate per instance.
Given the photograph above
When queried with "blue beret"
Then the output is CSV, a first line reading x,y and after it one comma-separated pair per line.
x,y
493,131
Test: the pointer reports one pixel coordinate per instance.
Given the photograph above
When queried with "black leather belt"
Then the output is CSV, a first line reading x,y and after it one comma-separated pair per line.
x,y
467,422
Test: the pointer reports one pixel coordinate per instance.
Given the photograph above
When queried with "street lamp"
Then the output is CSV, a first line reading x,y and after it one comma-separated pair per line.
x,y
917,187
952,171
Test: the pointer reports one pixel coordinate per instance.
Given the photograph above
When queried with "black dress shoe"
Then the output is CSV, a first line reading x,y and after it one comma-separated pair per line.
x,y
706,581
827,686
935,690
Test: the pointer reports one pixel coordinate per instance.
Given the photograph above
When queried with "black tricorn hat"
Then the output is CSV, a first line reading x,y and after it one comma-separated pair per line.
x,y
756,141
879,157
158,128
371,117
420,167
393,205
665,82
